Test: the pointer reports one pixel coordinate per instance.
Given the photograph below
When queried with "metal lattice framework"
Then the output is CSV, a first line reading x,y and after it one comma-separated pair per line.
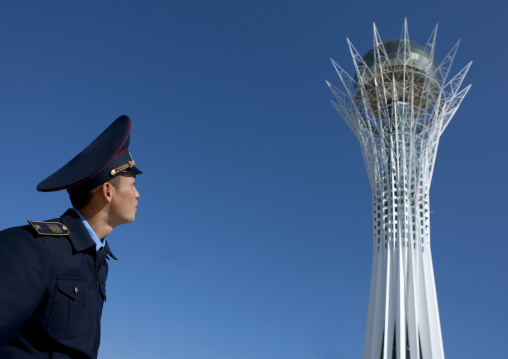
x,y
398,104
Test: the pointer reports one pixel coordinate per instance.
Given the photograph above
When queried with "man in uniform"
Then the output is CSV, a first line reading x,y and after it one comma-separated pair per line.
x,y
53,273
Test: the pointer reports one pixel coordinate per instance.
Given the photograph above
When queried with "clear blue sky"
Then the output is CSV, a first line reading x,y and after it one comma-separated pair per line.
x,y
253,238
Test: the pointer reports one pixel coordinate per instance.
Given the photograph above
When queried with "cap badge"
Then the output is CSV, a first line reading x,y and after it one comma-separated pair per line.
x,y
129,164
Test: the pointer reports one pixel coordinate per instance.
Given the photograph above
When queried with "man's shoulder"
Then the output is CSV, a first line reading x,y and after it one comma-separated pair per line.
x,y
35,229
20,231
34,239
20,244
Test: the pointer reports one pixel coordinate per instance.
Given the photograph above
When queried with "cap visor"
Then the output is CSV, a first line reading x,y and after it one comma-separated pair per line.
x,y
133,170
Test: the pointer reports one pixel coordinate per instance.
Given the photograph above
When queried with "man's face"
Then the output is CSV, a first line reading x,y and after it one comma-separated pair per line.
x,y
124,200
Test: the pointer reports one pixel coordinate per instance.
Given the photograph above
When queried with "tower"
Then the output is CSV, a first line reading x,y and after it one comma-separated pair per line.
x,y
398,104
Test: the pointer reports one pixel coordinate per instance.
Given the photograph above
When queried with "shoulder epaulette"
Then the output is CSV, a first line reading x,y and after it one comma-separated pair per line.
x,y
50,228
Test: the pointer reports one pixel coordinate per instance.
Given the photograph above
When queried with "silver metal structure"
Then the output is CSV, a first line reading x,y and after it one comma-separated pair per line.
x,y
398,104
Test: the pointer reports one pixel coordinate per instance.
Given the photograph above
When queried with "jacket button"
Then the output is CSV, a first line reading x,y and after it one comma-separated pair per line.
x,y
75,289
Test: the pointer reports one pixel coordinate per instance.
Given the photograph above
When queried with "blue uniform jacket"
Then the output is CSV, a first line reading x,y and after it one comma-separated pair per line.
x,y
52,289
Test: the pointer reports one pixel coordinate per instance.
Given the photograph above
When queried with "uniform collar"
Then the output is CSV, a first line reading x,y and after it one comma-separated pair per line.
x,y
108,251
91,232
79,236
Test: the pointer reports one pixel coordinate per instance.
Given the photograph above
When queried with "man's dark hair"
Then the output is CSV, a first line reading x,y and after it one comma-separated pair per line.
x,y
80,199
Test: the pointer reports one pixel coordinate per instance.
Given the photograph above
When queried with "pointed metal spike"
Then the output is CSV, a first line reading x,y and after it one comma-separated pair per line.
x,y
446,64
431,42
377,37
455,83
405,31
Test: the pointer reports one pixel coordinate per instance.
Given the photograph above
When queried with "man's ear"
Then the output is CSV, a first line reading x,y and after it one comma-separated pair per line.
x,y
107,191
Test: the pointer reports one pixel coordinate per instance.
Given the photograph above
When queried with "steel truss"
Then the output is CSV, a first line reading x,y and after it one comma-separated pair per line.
x,y
398,111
